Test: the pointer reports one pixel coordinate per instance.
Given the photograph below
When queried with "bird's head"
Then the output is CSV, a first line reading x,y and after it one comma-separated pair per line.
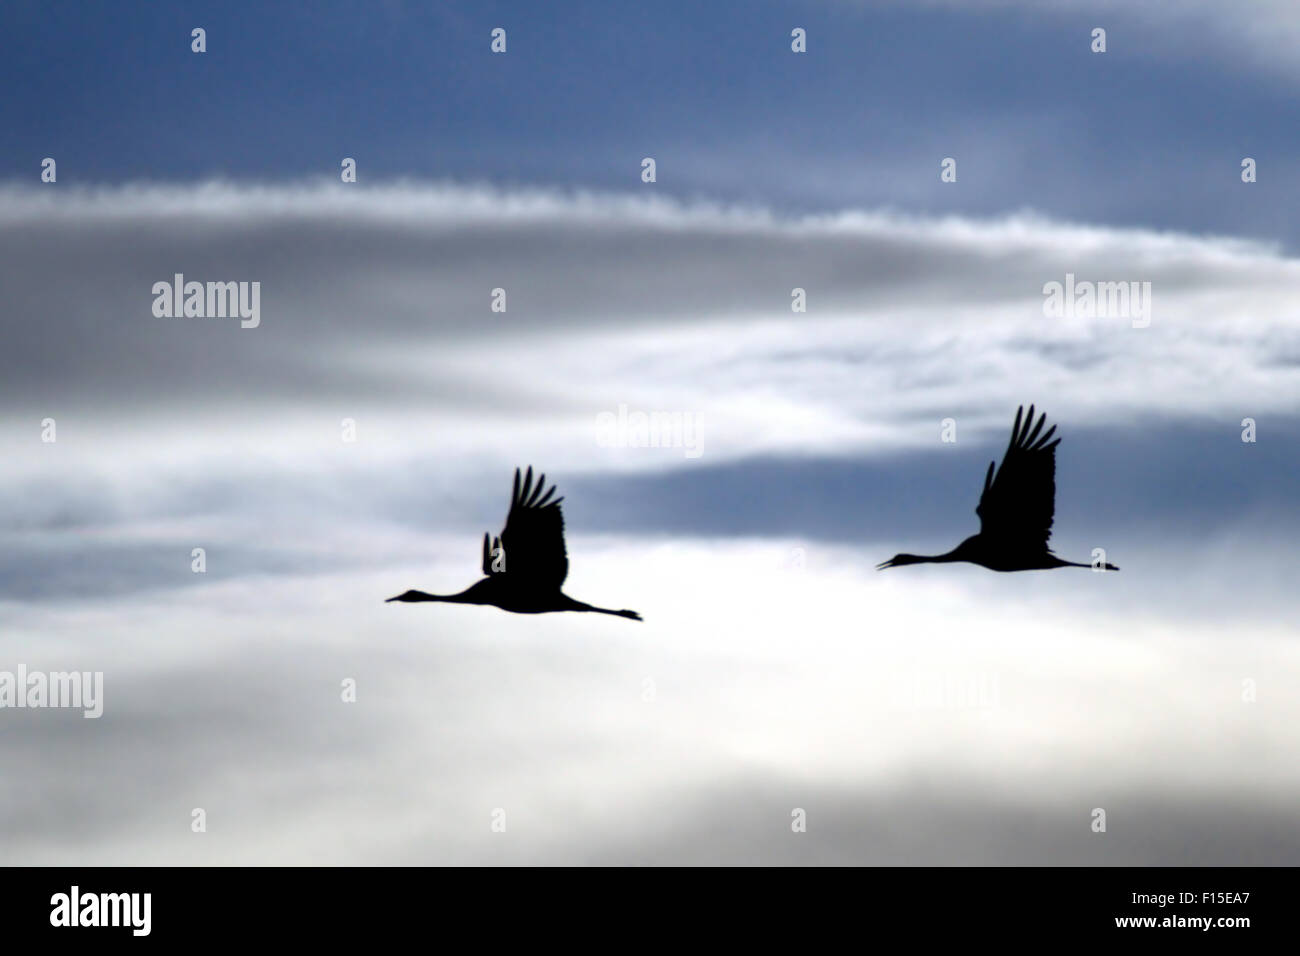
x,y
899,560
407,596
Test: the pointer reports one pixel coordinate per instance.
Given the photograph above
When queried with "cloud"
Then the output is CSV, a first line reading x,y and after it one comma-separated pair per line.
x,y
690,738
376,305
820,432
180,433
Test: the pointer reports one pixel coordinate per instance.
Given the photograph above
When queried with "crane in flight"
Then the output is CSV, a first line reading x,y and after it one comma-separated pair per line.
x,y
527,563
1015,510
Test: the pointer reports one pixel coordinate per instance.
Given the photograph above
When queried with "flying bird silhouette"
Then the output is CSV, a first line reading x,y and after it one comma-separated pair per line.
x,y
525,575
1015,510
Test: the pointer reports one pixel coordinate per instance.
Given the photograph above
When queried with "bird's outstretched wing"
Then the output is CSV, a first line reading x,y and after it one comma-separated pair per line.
x,y
1019,503
531,546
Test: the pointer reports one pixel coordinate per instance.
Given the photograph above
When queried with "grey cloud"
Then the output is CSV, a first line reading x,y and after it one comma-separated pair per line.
x,y
409,775
347,277
939,821
223,692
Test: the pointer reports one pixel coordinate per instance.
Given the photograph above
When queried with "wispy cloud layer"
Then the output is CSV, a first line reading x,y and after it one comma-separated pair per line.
x,y
377,304
792,681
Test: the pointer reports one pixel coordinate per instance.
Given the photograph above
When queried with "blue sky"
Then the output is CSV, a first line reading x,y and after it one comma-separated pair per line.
x,y
1150,134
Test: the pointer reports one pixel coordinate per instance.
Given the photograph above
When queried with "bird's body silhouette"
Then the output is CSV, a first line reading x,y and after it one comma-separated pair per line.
x,y
1015,510
527,564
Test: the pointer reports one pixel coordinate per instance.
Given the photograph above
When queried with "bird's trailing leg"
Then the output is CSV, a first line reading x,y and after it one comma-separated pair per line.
x,y
1104,566
580,606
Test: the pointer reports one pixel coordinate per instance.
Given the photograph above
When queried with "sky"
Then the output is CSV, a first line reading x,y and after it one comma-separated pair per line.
x,y
361,438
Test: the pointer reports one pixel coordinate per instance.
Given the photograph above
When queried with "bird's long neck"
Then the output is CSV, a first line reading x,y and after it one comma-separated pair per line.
x,y
413,596
945,558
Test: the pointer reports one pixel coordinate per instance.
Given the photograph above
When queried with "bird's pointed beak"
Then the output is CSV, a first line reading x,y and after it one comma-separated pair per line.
x,y
391,599
885,564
